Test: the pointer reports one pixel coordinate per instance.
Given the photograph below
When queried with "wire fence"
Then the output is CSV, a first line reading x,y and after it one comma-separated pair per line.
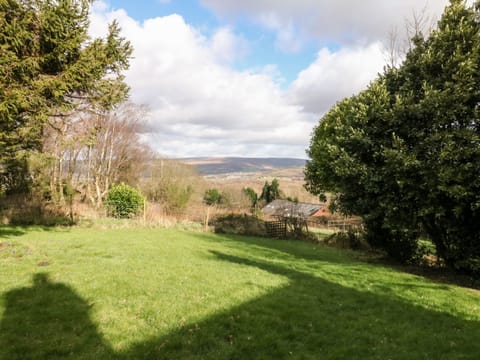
x,y
337,224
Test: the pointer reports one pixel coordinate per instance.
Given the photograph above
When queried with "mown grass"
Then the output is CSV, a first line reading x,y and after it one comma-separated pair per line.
x,y
138,293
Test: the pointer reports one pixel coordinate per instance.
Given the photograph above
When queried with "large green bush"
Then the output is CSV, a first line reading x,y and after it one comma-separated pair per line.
x,y
404,154
124,201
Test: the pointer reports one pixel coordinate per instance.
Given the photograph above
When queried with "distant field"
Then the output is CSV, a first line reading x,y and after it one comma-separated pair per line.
x,y
227,165
290,179
139,293
233,174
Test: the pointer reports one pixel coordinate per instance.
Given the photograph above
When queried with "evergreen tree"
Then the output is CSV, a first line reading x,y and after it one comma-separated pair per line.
x,y
50,67
405,153
251,195
212,197
271,191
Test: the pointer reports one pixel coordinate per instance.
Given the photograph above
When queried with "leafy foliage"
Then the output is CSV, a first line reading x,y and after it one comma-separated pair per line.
x,y
172,183
176,196
49,67
124,201
240,225
271,191
212,197
405,153
251,195
347,240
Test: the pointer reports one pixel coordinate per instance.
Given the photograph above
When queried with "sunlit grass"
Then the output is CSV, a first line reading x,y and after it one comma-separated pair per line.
x,y
149,293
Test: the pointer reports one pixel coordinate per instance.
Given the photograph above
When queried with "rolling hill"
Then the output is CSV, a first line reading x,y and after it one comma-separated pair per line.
x,y
226,165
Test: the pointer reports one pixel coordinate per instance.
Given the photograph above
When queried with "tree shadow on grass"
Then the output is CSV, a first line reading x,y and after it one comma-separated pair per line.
x,y
290,248
441,275
311,318
13,231
48,321
7,232
296,248
307,318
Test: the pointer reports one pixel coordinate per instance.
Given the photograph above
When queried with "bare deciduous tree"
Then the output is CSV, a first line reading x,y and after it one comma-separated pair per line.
x,y
88,152
397,45
115,151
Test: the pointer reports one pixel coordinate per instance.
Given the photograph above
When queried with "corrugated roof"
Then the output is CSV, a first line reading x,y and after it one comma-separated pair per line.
x,y
285,208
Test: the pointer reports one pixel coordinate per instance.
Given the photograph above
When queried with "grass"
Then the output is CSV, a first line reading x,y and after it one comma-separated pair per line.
x,y
136,293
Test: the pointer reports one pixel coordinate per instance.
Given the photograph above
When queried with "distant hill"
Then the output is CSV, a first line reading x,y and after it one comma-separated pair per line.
x,y
216,166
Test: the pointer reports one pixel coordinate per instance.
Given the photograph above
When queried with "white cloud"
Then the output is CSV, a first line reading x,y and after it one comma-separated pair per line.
x,y
227,46
341,21
289,40
336,75
199,105
99,5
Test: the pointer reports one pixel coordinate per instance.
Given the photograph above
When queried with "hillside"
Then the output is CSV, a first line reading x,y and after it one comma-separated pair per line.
x,y
226,165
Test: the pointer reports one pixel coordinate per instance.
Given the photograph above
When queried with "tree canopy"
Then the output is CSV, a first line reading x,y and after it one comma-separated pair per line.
x,y
405,153
212,197
50,67
271,191
251,195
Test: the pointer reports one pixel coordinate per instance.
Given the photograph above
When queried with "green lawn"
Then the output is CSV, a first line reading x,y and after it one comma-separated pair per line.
x,y
164,294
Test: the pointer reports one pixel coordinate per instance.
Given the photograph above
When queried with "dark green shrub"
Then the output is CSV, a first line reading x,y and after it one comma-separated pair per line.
x,y
471,266
212,197
347,240
251,196
124,201
271,191
240,224
26,210
304,236
400,244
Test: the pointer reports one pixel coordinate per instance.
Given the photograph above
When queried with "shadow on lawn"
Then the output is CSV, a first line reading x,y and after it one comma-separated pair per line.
x,y
6,232
286,249
48,321
309,318
12,231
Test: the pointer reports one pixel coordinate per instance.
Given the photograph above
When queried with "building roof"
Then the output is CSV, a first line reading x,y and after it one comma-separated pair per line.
x,y
324,211
285,208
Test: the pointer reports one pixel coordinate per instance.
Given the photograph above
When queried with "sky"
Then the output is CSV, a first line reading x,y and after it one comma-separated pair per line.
x,y
251,78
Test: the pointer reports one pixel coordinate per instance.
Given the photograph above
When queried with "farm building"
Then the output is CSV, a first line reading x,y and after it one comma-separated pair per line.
x,y
281,209
291,217
323,212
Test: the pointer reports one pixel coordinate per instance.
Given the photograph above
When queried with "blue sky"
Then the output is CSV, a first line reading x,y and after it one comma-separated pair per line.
x,y
262,50
251,77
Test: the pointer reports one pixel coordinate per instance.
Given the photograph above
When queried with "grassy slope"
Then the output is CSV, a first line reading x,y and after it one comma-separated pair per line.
x,y
139,293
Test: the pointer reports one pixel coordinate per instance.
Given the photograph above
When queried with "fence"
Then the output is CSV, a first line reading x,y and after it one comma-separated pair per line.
x,y
276,229
337,224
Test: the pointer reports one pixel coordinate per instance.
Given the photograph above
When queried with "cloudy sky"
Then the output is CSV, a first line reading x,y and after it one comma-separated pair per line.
x,y
250,77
